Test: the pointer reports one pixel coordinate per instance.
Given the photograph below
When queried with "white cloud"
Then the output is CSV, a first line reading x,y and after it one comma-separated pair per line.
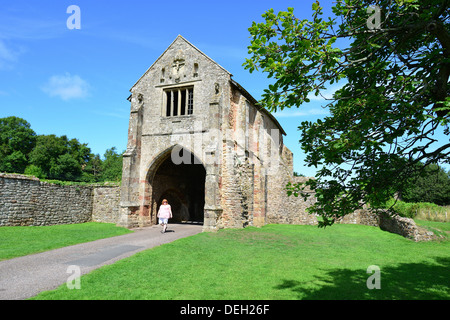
x,y
66,87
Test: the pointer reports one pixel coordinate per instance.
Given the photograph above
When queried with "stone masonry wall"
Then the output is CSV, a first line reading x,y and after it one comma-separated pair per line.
x,y
27,201
405,227
289,209
106,204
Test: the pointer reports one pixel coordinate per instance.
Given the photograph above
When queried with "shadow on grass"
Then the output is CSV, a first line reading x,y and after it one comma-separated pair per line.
x,y
408,281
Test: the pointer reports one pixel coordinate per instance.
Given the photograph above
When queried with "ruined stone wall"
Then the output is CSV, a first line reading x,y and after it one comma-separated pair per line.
x,y
106,204
233,194
236,173
258,171
27,201
361,216
405,227
256,165
291,209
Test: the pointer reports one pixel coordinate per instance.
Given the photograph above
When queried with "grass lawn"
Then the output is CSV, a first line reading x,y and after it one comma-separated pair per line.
x,y
275,262
21,241
443,226
438,228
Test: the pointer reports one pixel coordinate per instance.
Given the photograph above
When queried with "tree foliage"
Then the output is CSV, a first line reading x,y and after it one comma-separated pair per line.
x,y
17,139
395,93
53,157
432,184
59,157
112,165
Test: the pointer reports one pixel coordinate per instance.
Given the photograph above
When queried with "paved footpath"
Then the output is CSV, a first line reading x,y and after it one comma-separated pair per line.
x,y
25,277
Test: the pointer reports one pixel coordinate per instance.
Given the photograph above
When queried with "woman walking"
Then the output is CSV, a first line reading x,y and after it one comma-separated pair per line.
x,y
164,214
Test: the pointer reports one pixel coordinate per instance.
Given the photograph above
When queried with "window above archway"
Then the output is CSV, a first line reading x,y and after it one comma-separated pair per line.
x,y
179,101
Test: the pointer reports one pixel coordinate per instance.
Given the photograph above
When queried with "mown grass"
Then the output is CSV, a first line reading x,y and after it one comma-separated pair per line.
x,y
441,229
21,241
434,224
274,262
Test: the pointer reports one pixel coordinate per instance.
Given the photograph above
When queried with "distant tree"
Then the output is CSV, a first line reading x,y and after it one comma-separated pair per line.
x,y
394,99
112,166
296,174
60,158
79,151
66,168
432,184
92,171
17,139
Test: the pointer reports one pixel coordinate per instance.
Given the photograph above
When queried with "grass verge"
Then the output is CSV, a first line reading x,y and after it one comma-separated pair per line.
x,y
21,241
274,262
441,229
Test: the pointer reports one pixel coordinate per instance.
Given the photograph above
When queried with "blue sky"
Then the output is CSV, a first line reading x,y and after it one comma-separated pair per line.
x,y
76,82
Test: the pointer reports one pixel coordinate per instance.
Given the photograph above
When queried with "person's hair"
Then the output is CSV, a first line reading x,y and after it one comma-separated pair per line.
x,y
164,200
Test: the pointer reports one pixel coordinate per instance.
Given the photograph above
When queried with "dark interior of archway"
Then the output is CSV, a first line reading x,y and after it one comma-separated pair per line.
x,y
183,185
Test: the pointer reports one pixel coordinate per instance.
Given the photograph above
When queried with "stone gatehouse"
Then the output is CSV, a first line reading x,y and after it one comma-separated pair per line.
x,y
198,138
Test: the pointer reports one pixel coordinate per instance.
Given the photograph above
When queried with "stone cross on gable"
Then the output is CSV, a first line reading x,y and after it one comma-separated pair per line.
x,y
178,68
178,65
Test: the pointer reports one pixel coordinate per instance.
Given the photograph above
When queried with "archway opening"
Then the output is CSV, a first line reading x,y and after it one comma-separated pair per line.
x,y
183,185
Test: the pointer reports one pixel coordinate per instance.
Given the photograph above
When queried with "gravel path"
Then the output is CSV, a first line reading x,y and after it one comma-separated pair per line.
x,y
24,277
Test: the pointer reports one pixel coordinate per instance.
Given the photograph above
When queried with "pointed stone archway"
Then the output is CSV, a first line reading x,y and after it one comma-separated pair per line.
x,y
182,184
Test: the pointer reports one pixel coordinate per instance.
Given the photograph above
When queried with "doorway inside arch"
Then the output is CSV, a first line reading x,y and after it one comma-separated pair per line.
x,y
183,185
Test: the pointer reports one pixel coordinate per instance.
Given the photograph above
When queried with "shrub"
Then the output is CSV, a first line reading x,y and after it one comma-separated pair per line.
x,y
36,171
422,210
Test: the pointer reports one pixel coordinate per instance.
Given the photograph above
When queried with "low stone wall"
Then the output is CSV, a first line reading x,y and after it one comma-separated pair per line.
x,y
362,216
27,201
291,209
106,204
405,227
